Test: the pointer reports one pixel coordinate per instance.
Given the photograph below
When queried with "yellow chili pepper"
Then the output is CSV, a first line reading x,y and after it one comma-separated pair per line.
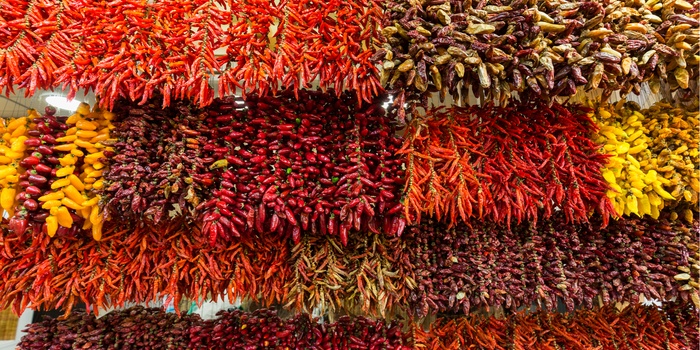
x,y
86,125
64,218
65,171
19,131
75,181
90,202
7,198
94,174
69,138
14,155
78,153
51,196
97,231
65,148
87,134
74,118
85,212
51,225
18,145
95,215
83,144
7,172
71,203
71,131
51,204
98,184
5,160
87,225
17,123
67,160
100,137
72,193
60,183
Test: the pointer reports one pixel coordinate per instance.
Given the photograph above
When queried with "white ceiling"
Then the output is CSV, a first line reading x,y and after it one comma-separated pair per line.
x,y
16,105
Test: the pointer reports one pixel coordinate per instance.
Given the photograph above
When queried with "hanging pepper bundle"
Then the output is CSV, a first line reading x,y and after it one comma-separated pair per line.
x,y
15,133
504,164
538,48
654,158
674,156
286,164
264,329
149,329
359,278
136,264
52,197
173,48
133,328
634,327
457,270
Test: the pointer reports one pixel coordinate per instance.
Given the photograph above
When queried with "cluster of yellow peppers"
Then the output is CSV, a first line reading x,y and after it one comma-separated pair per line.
x,y
84,141
646,169
14,133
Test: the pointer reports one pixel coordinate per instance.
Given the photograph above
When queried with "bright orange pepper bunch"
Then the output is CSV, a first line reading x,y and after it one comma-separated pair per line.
x,y
506,164
138,264
174,47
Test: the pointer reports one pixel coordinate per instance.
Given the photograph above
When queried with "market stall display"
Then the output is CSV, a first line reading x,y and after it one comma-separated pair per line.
x,y
411,173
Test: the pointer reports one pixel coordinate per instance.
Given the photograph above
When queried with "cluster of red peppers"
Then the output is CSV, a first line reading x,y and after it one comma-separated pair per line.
x,y
287,164
140,265
462,269
507,165
633,327
173,48
673,326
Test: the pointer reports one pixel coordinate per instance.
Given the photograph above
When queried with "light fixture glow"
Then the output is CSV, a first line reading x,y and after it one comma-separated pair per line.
x,y
63,103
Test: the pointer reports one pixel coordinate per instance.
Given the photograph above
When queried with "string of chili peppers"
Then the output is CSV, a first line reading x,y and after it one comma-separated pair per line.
x,y
303,161
633,327
654,158
505,164
463,269
358,279
539,49
136,50
48,186
138,265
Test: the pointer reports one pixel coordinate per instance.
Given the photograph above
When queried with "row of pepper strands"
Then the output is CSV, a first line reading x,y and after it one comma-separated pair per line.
x,y
51,171
538,49
517,163
138,49
276,164
430,270
128,49
633,327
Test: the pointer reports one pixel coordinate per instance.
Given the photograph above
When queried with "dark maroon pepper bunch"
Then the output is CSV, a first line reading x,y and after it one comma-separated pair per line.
x,y
41,163
459,269
133,328
156,171
264,329
318,163
305,161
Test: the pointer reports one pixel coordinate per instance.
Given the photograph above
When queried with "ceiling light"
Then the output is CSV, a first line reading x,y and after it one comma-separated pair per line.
x,y
63,103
